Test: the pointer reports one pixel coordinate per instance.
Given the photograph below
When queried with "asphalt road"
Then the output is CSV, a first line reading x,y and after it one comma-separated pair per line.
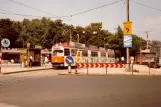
x,y
83,91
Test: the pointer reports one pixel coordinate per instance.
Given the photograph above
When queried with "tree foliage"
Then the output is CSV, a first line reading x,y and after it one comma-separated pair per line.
x,y
47,32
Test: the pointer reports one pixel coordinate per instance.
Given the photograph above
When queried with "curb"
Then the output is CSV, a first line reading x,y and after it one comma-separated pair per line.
x,y
95,74
63,74
25,71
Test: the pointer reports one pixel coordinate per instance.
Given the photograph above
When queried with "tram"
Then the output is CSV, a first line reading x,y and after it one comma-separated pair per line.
x,y
90,54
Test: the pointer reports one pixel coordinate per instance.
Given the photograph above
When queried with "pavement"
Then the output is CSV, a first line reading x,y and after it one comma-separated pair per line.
x,y
17,68
138,70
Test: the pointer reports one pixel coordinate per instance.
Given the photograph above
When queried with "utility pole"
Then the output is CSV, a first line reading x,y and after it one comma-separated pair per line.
x,y
77,38
147,43
70,35
127,50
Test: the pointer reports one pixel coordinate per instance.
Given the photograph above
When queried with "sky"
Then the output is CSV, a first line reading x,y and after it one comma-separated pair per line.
x,y
143,18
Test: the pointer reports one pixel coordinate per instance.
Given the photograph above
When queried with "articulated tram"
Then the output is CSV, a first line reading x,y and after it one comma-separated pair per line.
x,y
89,54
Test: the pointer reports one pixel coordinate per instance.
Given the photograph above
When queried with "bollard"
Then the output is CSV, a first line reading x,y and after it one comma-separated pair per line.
x,y
87,67
106,70
149,67
76,72
132,68
69,68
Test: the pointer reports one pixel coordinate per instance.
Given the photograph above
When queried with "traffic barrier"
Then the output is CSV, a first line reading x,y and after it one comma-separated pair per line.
x,y
100,65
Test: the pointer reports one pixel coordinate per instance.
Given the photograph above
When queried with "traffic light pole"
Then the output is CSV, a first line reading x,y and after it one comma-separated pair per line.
x,y
127,50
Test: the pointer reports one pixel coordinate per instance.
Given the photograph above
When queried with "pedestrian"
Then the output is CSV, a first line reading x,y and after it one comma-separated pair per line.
x,y
31,60
46,60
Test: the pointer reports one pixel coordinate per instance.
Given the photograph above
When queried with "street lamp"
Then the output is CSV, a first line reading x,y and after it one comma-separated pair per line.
x,y
78,36
147,38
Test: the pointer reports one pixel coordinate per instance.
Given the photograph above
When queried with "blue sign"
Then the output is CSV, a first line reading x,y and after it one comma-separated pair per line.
x,y
69,60
127,41
5,42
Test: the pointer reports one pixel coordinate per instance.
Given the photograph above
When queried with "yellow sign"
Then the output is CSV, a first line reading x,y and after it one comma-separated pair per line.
x,y
132,58
127,27
78,56
28,44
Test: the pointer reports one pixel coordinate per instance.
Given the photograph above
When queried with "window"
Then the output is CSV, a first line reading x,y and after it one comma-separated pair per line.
x,y
73,52
103,54
94,54
85,53
66,52
58,53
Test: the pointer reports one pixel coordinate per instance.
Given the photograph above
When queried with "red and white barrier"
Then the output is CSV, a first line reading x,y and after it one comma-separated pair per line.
x,y
100,65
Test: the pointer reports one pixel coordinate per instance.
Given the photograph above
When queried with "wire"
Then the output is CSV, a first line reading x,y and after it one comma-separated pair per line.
x,y
123,6
12,13
146,5
92,9
36,9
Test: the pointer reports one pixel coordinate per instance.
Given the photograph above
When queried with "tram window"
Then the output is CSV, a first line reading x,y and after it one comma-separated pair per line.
x,y
85,53
73,52
66,52
94,54
111,55
58,52
103,54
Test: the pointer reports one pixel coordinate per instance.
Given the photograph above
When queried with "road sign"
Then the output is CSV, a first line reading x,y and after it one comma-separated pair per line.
x,y
5,42
127,27
69,60
28,44
78,56
127,41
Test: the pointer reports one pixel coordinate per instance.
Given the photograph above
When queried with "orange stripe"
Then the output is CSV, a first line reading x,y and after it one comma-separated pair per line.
x,y
57,59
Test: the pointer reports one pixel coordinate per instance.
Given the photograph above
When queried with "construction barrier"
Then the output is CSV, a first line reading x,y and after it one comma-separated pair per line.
x,y
100,65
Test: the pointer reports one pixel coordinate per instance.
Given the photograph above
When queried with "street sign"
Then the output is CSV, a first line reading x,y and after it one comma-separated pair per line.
x,y
78,56
127,41
5,42
28,44
127,27
69,60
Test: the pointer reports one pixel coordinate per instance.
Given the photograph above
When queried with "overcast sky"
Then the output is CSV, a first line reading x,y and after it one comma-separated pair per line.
x,y
143,18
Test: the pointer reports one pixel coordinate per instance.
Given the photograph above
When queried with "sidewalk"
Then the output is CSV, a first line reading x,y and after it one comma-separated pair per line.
x,y
16,68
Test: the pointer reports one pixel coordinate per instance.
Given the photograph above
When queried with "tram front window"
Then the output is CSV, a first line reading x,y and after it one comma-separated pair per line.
x,y
58,53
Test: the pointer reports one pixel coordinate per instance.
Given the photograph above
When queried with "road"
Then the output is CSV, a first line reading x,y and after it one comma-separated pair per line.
x,y
82,91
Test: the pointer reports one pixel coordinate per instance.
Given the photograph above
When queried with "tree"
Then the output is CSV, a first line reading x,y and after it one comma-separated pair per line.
x,y
10,30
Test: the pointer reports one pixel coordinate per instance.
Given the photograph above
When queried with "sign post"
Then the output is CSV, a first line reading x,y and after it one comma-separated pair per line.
x,y
149,67
69,60
132,61
28,46
127,38
4,43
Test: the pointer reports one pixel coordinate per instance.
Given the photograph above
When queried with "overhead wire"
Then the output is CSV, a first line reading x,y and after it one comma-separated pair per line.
x,y
146,5
92,9
56,15
36,9
13,13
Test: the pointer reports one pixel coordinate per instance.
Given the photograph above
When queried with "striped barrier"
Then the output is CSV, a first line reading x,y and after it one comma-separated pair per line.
x,y
100,65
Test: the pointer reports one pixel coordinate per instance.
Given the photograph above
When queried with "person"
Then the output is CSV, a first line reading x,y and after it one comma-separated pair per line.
x,y
31,59
46,60
12,61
